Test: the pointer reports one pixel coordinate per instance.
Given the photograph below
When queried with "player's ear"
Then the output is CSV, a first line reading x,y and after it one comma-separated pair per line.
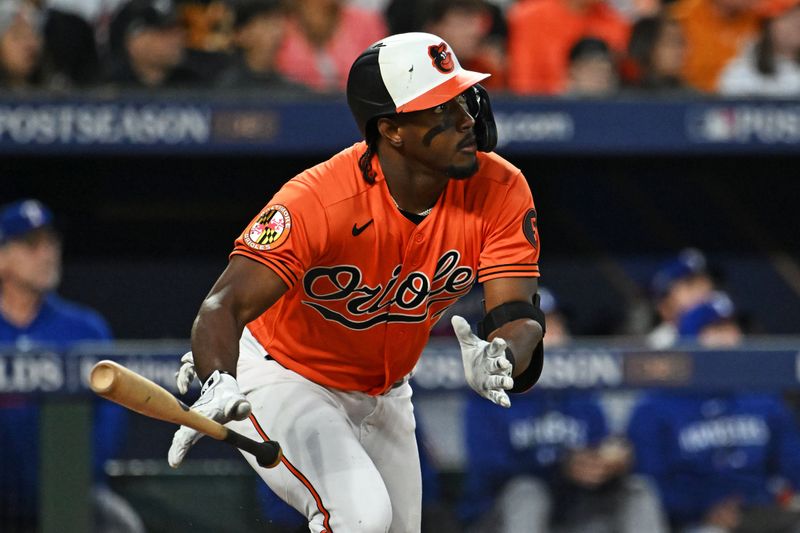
x,y
389,129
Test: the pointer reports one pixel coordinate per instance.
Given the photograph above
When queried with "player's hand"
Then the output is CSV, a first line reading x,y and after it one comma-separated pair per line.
x,y
186,373
221,400
486,367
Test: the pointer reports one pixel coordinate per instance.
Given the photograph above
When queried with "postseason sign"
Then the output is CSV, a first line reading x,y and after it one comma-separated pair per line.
x,y
101,124
170,126
213,124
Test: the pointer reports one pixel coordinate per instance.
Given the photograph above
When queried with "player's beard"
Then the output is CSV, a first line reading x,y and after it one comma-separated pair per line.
x,y
462,172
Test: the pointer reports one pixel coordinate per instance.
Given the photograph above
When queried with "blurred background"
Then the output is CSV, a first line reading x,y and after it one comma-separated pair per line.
x,y
661,141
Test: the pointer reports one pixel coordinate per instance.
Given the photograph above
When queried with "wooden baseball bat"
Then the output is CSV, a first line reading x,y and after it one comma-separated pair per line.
x,y
127,388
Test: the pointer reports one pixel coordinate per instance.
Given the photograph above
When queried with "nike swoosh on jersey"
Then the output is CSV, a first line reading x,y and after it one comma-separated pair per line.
x,y
357,231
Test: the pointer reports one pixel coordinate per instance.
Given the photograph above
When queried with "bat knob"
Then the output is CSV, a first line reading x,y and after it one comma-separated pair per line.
x,y
269,454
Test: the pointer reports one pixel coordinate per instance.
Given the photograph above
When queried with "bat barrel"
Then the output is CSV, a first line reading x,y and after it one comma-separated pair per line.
x,y
125,387
102,377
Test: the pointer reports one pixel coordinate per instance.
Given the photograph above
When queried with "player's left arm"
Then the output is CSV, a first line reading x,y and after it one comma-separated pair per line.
x,y
522,335
507,354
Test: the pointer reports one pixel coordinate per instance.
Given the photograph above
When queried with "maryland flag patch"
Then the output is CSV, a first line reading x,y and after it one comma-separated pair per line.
x,y
270,229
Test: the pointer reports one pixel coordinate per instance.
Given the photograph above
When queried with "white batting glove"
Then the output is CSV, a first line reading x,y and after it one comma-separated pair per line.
x,y
186,373
221,400
486,367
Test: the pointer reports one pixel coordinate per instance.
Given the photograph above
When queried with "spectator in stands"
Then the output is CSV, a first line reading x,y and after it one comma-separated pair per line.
x,y
148,47
70,50
542,32
770,66
404,16
592,71
678,285
715,32
322,40
711,323
549,463
259,28
209,36
32,315
30,271
209,24
465,25
656,57
722,461
20,45
98,14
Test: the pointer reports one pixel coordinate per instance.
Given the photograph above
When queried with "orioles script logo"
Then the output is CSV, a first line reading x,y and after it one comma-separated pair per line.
x,y
442,58
339,295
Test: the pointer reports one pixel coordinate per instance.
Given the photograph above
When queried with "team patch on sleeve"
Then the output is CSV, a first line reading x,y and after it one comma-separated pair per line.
x,y
529,227
270,229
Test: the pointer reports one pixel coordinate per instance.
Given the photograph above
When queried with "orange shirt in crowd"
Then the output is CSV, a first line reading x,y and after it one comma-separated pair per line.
x,y
327,68
712,39
541,33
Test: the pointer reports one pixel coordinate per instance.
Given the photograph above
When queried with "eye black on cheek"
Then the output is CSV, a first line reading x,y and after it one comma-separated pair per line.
x,y
427,139
448,120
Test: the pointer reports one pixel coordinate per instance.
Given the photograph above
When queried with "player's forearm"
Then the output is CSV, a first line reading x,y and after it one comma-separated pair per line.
x,y
241,294
522,337
215,339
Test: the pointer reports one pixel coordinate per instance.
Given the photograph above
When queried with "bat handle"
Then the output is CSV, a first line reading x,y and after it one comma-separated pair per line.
x,y
268,454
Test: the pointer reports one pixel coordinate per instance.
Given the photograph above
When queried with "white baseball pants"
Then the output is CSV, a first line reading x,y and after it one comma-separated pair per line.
x,y
350,462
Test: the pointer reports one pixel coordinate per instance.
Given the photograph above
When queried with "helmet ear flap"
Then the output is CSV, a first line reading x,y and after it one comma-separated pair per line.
x,y
485,126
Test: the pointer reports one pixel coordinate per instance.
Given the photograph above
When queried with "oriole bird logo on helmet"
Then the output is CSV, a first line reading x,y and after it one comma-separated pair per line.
x,y
441,56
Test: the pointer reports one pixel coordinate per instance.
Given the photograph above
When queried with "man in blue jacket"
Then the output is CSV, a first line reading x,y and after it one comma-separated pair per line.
x,y
33,316
722,461
549,463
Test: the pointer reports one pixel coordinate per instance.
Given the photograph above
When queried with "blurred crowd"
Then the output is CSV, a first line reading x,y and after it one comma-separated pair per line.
x,y
570,48
655,460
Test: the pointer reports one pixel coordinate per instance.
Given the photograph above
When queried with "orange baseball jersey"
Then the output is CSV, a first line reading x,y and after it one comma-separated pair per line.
x,y
366,284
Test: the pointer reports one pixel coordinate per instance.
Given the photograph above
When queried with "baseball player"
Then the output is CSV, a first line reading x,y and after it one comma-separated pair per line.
x,y
310,334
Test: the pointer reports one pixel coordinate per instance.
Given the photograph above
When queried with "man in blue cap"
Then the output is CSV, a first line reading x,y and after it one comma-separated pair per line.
x,y
678,285
30,272
712,323
722,460
33,315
